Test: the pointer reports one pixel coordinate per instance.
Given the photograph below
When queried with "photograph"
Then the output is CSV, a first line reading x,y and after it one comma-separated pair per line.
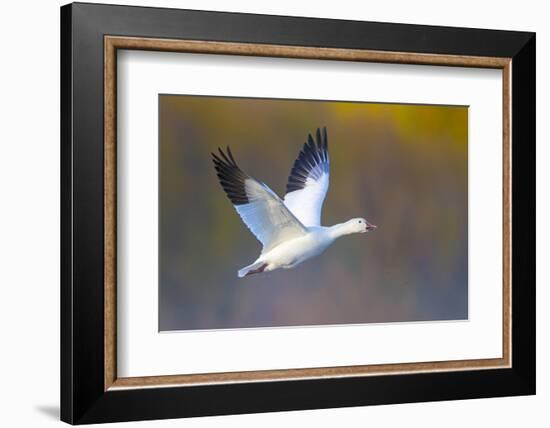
x,y
288,212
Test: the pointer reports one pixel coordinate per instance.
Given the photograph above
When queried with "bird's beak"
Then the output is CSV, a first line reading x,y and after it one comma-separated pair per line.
x,y
371,227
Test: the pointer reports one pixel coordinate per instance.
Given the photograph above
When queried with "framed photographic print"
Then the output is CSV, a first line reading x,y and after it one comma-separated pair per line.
x,y
265,213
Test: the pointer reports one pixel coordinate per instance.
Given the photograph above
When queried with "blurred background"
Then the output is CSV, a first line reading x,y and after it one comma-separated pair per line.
x,y
402,167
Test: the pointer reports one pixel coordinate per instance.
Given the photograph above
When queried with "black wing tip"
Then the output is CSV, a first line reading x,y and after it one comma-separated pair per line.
x,y
320,142
230,176
314,152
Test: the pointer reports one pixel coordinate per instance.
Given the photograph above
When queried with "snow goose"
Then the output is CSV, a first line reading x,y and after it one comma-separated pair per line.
x,y
290,230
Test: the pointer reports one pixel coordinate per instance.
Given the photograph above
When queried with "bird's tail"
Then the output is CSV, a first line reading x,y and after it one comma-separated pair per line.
x,y
256,267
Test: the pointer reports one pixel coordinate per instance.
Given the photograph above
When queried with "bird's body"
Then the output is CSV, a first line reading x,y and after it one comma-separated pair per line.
x,y
289,229
292,252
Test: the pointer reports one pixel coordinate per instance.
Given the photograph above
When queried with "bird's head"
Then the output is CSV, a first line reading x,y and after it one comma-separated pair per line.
x,y
360,225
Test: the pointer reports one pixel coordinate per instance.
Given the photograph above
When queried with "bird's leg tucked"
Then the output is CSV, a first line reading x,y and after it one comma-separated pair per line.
x,y
259,270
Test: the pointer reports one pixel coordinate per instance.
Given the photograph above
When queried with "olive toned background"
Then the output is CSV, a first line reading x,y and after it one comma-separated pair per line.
x,y
403,167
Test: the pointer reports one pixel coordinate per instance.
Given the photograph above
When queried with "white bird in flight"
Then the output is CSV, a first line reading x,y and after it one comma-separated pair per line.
x,y
290,230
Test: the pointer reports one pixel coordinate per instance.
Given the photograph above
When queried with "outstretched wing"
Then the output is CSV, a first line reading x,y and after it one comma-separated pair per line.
x,y
263,212
309,180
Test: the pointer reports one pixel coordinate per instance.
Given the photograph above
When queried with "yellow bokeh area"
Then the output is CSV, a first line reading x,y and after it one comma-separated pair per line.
x,y
426,121
403,167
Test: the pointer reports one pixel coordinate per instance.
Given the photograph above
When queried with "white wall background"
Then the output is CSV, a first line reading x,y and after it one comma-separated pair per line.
x,y
29,215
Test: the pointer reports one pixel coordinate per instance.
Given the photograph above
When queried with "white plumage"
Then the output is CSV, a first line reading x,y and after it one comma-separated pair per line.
x,y
290,230
308,182
267,217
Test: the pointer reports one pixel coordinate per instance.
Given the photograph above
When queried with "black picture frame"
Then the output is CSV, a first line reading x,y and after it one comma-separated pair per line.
x,y
83,397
